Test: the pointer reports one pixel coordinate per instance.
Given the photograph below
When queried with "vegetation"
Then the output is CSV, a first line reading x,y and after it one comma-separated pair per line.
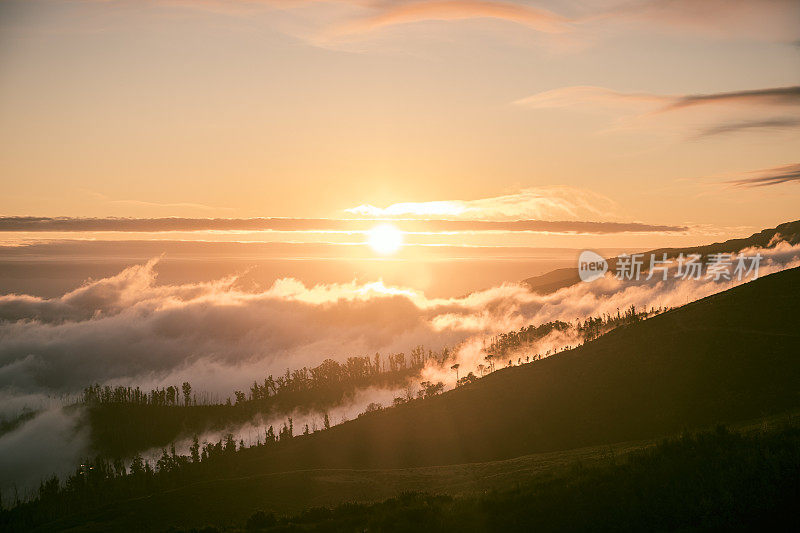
x,y
513,343
125,420
717,480
710,481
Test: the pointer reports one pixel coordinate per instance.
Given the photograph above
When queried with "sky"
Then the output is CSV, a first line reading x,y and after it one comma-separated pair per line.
x,y
678,119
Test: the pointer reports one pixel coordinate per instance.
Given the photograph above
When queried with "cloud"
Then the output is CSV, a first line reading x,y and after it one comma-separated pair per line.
x,y
769,176
768,96
739,110
598,97
506,208
589,96
50,443
749,125
129,329
542,203
768,20
395,13
324,22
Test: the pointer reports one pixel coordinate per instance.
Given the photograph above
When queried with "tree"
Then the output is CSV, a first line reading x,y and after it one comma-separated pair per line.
x,y
373,406
172,395
187,393
137,465
326,421
194,449
455,367
240,397
466,380
230,444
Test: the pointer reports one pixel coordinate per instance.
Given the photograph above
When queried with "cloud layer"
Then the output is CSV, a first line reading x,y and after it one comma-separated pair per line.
x,y
128,329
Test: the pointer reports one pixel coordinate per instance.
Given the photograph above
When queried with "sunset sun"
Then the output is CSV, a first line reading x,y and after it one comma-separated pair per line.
x,y
385,239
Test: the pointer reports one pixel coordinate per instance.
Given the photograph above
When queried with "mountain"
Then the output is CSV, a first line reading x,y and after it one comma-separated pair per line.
x,y
564,277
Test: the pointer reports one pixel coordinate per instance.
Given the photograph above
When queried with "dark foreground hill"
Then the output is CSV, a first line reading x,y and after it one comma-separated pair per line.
x,y
564,277
713,481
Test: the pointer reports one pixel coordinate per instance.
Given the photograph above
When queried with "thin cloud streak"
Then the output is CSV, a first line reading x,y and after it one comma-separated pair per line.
x,y
767,96
393,14
534,203
64,224
770,176
577,96
736,127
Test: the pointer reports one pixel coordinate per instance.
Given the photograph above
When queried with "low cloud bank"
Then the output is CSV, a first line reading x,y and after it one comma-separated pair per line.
x,y
128,329
530,210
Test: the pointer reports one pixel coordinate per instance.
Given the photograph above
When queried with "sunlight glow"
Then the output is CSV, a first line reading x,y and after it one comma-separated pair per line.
x,y
385,239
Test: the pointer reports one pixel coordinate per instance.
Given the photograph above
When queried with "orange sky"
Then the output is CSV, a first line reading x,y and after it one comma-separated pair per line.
x,y
682,113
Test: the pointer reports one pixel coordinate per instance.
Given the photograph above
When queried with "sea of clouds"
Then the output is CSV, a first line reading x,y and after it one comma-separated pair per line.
x,y
130,330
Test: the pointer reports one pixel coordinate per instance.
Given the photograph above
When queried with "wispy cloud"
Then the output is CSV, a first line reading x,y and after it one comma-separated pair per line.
x,y
749,125
769,176
540,203
395,13
734,111
597,97
769,20
767,96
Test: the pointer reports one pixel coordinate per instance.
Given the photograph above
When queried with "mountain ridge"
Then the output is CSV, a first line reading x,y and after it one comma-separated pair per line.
x,y
564,277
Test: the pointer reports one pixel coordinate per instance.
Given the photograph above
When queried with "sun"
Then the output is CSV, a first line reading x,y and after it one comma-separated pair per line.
x,y
385,239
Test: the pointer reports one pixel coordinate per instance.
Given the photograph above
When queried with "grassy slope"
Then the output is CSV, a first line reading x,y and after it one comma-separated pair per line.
x,y
732,356
230,501
713,481
729,357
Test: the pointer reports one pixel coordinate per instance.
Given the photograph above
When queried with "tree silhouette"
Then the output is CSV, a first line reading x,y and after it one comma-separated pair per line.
x,y
455,367
187,393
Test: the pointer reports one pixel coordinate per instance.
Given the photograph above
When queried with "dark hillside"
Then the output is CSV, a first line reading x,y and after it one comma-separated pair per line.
x,y
728,357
